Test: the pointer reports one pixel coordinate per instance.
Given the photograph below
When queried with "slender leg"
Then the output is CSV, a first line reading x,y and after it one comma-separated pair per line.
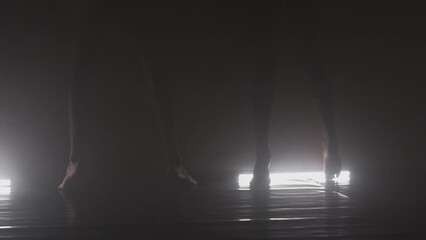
x,y
165,117
159,85
85,51
262,112
331,157
76,115
263,98
324,99
261,34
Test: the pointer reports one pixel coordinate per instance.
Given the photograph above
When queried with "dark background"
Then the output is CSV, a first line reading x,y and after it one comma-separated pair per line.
x,y
373,52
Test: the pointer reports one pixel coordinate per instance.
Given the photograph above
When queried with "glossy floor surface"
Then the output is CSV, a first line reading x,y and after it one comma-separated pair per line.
x,y
301,209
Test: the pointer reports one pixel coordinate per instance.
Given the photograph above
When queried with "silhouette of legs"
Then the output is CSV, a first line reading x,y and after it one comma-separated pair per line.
x,y
324,98
150,44
75,132
94,27
162,102
263,91
263,97
85,40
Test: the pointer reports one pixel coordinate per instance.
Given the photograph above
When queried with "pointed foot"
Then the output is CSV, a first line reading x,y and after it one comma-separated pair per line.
x,y
69,176
181,176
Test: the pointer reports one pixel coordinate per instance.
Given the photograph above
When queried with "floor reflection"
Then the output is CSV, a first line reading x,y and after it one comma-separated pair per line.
x,y
70,212
261,211
300,209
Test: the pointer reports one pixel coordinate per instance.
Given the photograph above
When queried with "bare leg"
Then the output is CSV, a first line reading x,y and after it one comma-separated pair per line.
x,y
324,99
263,97
263,154
262,36
331,158
85,51
159,84
75,139
166,123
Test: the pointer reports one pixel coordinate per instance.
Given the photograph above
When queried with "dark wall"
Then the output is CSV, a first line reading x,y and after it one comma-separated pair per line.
x,y
372,53
35,65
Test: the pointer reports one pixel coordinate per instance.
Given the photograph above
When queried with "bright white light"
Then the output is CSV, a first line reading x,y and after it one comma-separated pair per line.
x,y
4,182
5,188
295,178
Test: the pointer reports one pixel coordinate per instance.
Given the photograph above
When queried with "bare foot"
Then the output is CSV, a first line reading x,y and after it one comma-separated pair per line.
x,y
260,180
332,166
69,175
182,174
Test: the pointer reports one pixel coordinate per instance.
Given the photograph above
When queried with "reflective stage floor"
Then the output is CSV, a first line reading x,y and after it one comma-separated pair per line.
x,y
217,209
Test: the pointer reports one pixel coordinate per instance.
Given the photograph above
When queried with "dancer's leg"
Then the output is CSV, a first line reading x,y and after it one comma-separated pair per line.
x,y
162,88
263,97
158,80
331,158
263,41
87,38
324,97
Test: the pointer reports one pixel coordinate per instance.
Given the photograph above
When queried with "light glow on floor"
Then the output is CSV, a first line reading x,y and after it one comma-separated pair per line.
x,y
5,188
5,191
295,178
4,182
